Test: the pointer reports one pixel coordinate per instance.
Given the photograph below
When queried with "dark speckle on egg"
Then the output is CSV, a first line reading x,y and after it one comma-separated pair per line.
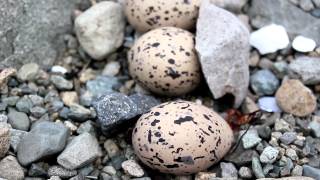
x,y
188,142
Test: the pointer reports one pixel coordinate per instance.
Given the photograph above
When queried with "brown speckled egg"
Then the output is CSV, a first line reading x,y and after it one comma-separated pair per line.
x,y
145,15
164,61
181,137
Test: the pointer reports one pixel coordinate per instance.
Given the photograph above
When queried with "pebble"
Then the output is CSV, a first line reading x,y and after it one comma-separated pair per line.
x,y
282,126
18,120
292,154
268,104
87,75
269,155
59,69
303,44
245,173
228,170
44,139
269,39
37,111
256,168
82,150
110,170
102,85
249,106
295,98
264,132
69,97
250,139
111,147
199,176
132,168
307,69
11,101
144,102
4,141
28,72
288,137
36,100
24,104
61,83
61,172
230,51
315,126
311,172
79,113
10,169
306,5
111,69
297,171
54,178
88,127
280,69
15,138
100,42
264,82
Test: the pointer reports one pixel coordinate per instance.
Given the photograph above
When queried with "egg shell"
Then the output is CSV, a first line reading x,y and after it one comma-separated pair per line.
x,y
181,137
164,61
145,15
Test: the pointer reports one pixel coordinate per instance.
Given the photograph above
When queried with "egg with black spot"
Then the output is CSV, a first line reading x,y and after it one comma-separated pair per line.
x,y
145,15
181,137
165,62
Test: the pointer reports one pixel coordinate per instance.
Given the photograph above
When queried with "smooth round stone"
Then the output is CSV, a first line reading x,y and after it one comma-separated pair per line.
x,y
303,44
264,82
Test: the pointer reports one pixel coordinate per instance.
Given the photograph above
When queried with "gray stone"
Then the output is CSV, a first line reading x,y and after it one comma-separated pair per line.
x,y
295,20
306,5
288,137
269,155
267,168
79,113
241,156
61,172
37,169
311,172
114,109
231,5
264,82
307,69
112,148
61,83
109,170
144,102
316,3
102,85
111,69
280,69
250,139
18,120
282,126
4,141
315,126
24,104
292,154
245,173
44,139
10,169
81,151
36,100
32,31
11,101
316,13
297,171
256,168
222,42
15,138
88,127
37,111
28,72
228,170
100,42
132,168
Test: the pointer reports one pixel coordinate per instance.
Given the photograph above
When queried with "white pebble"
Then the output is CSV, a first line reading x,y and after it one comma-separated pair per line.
x,y
268,104
59,69
303,44
269,39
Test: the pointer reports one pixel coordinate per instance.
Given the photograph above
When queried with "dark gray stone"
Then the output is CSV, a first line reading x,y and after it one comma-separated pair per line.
x,y
102,85
24,104
114,109
144,102
61,83
44,139
37,169
79,113
295,20
32,31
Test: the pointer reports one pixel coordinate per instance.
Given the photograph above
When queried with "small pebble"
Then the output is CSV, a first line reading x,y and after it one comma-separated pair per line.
x,y
264,82
132,168
61,83
303,44
256,168
250,139
111,69
268,104
245,173
228,170
28,72
288,137
269,155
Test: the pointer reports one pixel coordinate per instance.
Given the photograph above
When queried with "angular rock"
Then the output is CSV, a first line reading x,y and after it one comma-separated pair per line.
x,y
222,42
100,29
269,155
264,82
81,151
228,170
61,83
4,141
245,172
28,71
307,69
144,102
31,31
79,113
288,137
250,139
11,169
44,139
295,20
295,98
114,109
256,168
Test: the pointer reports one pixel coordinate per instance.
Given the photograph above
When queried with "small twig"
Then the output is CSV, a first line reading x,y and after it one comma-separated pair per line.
x,y
239,140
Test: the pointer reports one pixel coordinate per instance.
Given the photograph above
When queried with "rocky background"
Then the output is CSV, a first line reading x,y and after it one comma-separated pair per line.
x,y
49,85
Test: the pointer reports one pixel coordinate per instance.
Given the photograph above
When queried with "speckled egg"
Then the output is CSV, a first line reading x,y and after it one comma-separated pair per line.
x,y
164,61
145,15
181,137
